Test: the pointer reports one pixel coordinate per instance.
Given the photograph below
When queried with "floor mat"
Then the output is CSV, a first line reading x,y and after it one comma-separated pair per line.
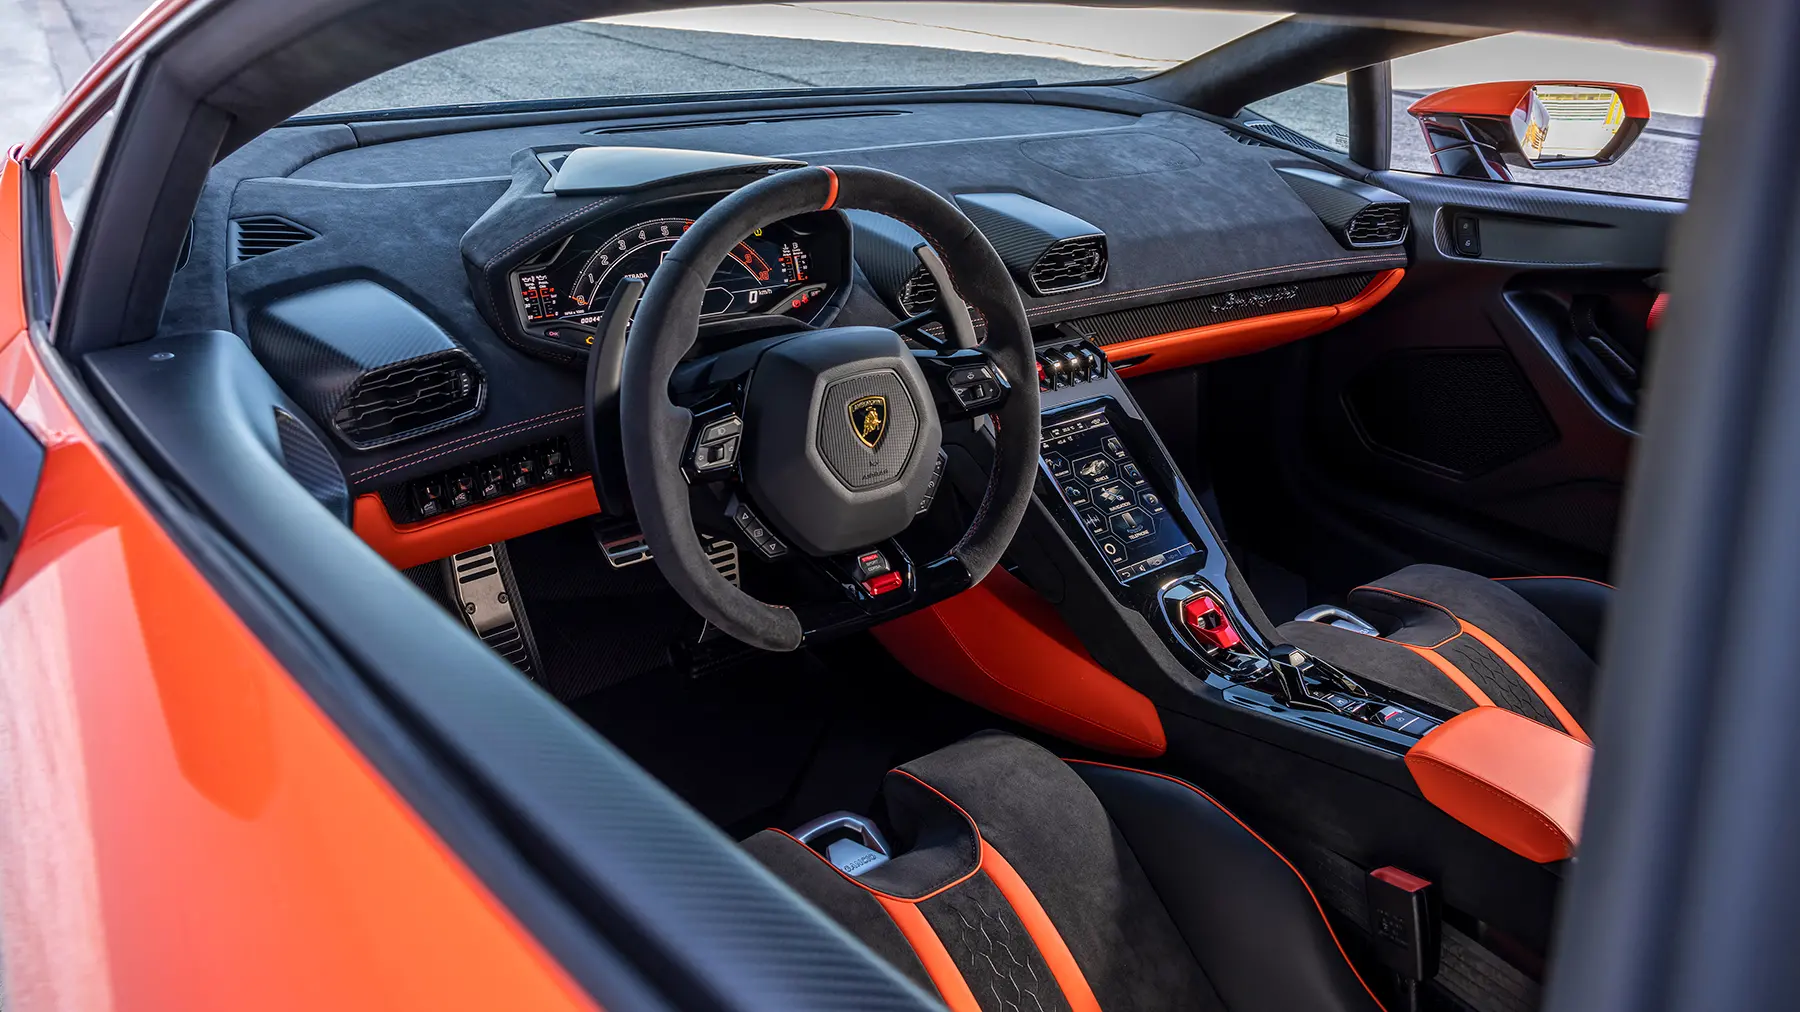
x,y
785,737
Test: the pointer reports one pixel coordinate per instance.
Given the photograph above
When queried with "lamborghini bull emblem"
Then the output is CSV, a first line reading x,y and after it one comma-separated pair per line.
x,y
868,419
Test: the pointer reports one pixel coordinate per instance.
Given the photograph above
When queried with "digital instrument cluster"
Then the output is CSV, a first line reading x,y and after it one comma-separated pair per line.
x,y
790,268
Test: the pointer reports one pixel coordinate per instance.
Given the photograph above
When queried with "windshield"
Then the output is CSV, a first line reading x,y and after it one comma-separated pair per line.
x,y
780,47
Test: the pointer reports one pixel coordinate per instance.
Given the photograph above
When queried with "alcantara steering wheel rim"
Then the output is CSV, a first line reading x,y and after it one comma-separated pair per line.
x,y
656,431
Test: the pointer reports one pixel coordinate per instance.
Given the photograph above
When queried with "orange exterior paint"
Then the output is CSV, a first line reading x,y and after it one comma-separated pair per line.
x,y
180,826
1037,924
408,545
1199,345
1001,646
1500,98
1513,780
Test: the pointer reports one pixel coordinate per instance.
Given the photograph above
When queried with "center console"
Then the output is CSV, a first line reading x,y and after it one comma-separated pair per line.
x,y
1107,483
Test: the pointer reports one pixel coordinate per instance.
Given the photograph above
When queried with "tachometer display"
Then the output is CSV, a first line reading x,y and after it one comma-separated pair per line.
x,y
770,272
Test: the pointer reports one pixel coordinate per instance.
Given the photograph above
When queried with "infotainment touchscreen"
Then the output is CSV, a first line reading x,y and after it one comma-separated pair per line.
x,y
1122,510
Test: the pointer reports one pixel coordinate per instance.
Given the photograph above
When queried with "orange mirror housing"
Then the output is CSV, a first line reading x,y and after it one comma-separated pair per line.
x,y
1483,131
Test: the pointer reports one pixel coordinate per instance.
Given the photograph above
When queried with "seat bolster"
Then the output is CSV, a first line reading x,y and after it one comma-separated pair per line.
x,y
1248,916
1577,605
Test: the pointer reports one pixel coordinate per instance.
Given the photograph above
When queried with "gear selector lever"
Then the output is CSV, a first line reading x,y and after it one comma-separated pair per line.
x,y
1297,673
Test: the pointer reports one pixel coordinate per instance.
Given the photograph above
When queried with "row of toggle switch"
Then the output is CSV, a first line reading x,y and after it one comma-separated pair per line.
x,y
1069,364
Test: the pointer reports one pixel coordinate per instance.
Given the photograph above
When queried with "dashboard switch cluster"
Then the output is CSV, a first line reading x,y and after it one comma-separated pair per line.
x,y
1069,364
486,480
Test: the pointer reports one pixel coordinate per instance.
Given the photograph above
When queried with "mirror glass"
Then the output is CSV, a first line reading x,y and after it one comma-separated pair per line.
x,y
1562,122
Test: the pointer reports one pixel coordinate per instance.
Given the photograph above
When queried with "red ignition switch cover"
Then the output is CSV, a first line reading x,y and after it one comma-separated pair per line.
x,y
1208,623
879,585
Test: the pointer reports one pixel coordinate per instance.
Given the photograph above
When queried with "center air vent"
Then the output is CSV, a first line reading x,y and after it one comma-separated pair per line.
x,y
919,293
1069,264
409,397
252,237
1377,225
1047,249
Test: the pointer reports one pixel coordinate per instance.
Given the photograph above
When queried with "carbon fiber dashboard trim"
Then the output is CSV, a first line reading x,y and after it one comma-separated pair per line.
x,y
1238,304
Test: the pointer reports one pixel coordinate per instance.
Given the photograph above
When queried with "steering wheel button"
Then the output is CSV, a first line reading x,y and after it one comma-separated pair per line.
x,y
721,429
883,584
716,455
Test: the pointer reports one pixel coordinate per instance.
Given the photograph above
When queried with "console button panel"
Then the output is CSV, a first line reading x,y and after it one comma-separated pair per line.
x,y
495,477
1121,510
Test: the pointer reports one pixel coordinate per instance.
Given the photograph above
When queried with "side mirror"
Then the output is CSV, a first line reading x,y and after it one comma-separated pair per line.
x,y
1479,130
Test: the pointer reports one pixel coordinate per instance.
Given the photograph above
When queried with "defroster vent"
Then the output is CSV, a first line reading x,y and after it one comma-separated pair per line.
x,y
1069,264
252,237
408,398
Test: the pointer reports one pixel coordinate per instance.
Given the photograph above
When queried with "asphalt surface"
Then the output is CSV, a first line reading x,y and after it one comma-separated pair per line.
x,y
47,43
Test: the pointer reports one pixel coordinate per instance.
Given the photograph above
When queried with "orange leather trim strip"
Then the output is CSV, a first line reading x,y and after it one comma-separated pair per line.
x,y
1229,814
1583,579
1037,924
1509,778
932,954
410,545
1003,647
1197,345
831,195
1451,672
1529,677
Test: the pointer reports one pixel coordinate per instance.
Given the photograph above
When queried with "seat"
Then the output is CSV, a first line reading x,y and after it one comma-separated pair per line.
x,y
1459,640
1024,882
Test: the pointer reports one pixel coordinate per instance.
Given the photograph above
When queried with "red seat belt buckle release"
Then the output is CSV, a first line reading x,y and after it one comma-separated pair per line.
x,y
1404,918
1208,623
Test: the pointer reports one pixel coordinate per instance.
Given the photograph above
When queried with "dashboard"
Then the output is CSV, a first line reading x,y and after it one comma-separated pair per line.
x,y
790,269
470,238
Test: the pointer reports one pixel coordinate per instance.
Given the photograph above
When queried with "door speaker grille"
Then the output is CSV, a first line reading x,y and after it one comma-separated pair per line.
x,y
1460,413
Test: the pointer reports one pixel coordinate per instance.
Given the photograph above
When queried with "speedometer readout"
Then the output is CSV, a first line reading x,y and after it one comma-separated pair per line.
x,y
769,272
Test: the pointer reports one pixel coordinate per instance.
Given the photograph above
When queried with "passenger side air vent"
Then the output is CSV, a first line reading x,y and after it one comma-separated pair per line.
x,y
919,293
366,364
409,397
1377,225
252,237
1048,250
1070,264
1359,216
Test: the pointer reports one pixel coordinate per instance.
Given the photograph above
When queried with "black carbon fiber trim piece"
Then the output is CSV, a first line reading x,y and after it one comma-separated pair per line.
x,y
1242,304
309,460
366,363
1024,231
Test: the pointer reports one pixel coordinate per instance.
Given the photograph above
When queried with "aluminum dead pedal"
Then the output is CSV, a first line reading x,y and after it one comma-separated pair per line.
x,y
625,546
481,582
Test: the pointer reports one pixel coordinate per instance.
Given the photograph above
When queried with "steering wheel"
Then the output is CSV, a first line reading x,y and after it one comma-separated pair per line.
x,y
837,431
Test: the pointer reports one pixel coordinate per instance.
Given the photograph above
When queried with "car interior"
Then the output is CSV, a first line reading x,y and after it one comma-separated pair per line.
x,y
1019,547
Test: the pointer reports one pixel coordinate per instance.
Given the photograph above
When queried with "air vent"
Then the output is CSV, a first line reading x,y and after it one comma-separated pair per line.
x,y
1070,264
408,398
1244,138
252,237
1377,225
1279,132
919,293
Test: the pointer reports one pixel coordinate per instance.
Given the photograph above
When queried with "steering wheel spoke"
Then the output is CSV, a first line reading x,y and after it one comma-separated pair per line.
x,y
965,382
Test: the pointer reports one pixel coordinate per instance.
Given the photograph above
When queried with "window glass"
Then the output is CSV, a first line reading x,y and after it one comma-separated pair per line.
x,y
75,171
1319,112
1660,163
786,47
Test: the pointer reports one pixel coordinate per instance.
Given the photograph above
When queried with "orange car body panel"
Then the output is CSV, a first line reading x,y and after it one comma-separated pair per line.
x,y
1213,342
181,827
1002,647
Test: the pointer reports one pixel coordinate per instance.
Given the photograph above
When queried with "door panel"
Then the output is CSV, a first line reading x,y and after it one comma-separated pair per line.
x,y
1482,415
